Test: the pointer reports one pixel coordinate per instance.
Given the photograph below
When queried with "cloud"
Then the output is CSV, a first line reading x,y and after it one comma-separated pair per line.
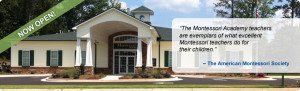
x,y
211,3
123,5
174,5
279,14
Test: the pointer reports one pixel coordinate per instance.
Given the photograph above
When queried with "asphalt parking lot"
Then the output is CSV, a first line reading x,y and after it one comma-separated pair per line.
x,y
186,80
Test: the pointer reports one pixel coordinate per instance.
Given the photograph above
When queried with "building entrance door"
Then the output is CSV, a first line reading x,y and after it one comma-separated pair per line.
x,y
126,64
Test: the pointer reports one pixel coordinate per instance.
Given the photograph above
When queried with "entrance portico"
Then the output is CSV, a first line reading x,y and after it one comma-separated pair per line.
x,y
115,39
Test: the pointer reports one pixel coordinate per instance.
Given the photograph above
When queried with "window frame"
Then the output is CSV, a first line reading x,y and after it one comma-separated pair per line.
x,y
169,57
142,17
22,58
83,58
51,59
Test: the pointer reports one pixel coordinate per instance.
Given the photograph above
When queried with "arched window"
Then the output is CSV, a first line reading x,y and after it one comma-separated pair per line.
x,y
142,17
125,42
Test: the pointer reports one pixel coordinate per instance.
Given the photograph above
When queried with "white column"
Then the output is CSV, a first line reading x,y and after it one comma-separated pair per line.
x,y
78,53
139,61
149,53
89,59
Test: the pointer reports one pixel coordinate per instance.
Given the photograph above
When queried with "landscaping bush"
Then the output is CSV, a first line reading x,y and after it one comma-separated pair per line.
x,y
145,75
32,72
158,76
261,75
89,77
101,75
167,75
56,75
65,74
157,73
71,73
252,74
143,68
127,76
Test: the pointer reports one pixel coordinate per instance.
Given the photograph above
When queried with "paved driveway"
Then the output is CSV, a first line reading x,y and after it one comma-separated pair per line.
x,y
186,80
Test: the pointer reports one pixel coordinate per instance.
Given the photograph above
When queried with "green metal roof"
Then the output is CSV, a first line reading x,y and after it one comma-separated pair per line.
x,y
71,36
164,33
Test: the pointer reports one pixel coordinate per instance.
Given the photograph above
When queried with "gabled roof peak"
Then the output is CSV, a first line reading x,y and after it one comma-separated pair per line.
x,y
143,9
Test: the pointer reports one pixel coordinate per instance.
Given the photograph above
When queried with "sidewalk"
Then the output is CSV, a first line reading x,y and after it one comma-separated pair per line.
x,y
115,80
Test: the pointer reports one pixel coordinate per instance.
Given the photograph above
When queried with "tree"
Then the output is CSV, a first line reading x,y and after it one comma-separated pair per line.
x,y
15,13
244,8
290,9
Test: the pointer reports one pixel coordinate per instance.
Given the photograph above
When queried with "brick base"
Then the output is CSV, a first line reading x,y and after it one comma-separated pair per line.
x,y
138,70
103,70
38,70
89,70
165,70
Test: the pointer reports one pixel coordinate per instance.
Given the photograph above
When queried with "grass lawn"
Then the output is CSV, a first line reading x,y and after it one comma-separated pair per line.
x,y
131,86
4,73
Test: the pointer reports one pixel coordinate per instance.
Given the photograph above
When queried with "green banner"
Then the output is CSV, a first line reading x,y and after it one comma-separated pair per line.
x,y
37,23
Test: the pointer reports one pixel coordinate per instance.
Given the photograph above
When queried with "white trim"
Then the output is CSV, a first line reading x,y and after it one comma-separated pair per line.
x,y
125,41
89,53
139,54
149,53
75,28
78,55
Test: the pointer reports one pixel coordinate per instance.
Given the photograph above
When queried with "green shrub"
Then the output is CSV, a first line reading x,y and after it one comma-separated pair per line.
x,y
71,73
158,76
157,71
143,68
64,74
56,75
32,72
167,75
127,76
101,75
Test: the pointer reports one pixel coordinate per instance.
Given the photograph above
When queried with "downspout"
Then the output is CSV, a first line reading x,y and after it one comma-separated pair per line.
x,y
159,39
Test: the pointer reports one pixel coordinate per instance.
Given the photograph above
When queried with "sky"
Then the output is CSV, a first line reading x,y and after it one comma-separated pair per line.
x,y
167,10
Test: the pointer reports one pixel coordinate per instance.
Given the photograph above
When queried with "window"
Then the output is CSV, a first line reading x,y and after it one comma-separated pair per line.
x,y
26,57
168,58
54,58
83,58
125,42
142,17
154,62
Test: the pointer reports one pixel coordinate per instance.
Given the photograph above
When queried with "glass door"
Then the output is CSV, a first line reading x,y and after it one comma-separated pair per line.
x,y
127,64
130,64
123,64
